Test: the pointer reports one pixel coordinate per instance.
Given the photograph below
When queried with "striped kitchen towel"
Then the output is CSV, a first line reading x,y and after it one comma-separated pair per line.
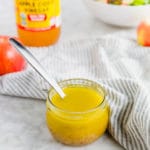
x,y
116,62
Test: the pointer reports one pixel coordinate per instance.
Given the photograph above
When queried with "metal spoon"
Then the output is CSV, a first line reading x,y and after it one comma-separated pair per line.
x,y
36,65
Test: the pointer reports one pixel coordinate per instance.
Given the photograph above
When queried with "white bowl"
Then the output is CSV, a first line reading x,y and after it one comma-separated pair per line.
x,y
120,15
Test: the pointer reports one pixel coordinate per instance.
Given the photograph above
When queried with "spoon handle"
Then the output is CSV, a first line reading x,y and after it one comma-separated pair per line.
x,y
36,65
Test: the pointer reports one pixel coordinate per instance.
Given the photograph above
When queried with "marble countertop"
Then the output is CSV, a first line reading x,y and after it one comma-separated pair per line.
x,y
22,121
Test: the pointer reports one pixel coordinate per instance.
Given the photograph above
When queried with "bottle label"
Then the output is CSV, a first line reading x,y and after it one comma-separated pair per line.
x,y
38,15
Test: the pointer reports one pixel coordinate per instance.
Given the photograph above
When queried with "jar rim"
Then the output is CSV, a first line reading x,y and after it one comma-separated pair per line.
x,y
101,105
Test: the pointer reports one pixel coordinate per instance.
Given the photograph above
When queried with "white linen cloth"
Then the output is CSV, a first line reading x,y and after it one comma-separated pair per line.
x,y
115,61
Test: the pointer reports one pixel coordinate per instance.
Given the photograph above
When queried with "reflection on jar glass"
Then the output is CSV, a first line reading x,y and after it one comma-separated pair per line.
x,y
82,116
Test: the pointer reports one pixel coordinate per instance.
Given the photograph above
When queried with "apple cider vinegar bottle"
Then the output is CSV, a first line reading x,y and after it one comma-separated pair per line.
x,y
38,21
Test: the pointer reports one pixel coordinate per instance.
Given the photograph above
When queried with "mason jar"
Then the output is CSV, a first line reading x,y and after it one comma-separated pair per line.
x,y
77,127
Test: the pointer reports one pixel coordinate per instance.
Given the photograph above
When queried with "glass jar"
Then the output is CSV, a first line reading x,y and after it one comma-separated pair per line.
x,y
38,21
77,127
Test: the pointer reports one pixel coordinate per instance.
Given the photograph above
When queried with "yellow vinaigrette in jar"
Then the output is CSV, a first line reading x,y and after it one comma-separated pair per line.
x,y
82,116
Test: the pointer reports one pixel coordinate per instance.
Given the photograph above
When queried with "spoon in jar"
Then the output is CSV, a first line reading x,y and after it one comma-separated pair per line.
x,y
36,65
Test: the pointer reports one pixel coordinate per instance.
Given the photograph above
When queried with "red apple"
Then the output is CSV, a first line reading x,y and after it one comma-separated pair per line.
x,y
10,59
143,33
